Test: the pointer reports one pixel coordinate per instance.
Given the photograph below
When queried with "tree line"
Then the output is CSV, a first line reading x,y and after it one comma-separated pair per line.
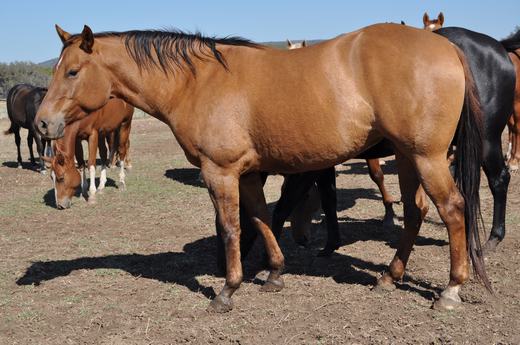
x,y
22,72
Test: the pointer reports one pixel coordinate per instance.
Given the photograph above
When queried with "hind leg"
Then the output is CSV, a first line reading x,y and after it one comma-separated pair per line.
x,y
123,148
18,142
376,174
326,181
253,200
103,155
415,206
498,179
438,183
92,151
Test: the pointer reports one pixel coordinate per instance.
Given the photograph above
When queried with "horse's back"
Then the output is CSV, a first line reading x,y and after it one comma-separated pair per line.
x,y
493,71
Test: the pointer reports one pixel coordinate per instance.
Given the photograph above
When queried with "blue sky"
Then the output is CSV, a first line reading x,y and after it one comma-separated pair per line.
x,y
27,27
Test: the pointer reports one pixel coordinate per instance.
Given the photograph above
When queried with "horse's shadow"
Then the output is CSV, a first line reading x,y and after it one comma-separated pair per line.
x,y
199,258
25,165
187,176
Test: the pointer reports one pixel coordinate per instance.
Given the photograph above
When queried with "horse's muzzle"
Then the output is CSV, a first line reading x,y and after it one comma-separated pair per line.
x,y
50,129
63,204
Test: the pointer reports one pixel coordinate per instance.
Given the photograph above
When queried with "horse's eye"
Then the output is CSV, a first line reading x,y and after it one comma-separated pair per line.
x,y
72,73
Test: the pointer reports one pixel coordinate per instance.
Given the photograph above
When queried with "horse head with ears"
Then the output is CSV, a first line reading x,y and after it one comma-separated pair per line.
x,y
291,45
65,177
433,24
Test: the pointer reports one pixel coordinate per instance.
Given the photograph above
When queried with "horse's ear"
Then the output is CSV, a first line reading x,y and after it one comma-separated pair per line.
x,y
425,19
87,39
289,43
304,43
64,35
440,18
402,22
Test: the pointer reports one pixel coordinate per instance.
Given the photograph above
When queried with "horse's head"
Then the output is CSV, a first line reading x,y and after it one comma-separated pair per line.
x,y
291,45
433,24
65,177
80,84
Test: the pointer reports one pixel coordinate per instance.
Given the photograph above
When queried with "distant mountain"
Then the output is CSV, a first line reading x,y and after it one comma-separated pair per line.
x,y
275,44
49,63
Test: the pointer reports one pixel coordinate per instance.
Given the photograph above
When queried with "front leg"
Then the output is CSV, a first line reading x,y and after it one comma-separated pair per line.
x,y
224,192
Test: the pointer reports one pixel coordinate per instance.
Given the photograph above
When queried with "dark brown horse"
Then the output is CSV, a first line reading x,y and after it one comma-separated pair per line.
x,y
115,116
23,101
238,108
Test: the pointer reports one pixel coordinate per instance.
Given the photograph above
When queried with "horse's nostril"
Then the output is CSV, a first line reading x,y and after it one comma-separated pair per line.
x,y
43,124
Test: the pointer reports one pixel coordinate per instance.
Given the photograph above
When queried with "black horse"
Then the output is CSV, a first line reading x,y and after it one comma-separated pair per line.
x,y
495,79
23,101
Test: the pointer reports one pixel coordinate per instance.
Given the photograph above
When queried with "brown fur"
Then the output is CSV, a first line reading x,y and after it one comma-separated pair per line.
x,y
290,111
115,115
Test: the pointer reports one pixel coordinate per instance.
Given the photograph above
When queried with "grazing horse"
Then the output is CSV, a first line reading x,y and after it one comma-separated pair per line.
x,y
23,101
433,24
238,108
116,115
512,45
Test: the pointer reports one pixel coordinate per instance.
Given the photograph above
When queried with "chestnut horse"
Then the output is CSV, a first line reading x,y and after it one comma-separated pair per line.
x,y
433,24
238,108
116,115
512,45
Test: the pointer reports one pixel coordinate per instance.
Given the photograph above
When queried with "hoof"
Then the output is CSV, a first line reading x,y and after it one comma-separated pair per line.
x,y
327,251
220,305
19,166
513,166
91,199
490,246
383,286
388,222
43,172
273,285
121,186
447,304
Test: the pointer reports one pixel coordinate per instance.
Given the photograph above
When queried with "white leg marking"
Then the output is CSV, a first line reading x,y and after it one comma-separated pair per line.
x,y
54,186
452,292
92,188
509,149
103,178
122,172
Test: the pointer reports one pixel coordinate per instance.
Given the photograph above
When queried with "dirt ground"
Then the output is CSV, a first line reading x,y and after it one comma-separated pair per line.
x,y
139,266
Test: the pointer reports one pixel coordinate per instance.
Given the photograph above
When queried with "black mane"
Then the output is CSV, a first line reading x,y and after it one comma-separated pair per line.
x,y
512,43
172,49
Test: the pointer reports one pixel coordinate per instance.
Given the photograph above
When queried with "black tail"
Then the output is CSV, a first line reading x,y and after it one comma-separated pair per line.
x,y
468,162
10,130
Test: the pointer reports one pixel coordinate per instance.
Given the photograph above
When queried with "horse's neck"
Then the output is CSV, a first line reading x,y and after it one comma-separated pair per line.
x,y
68,142
151,89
